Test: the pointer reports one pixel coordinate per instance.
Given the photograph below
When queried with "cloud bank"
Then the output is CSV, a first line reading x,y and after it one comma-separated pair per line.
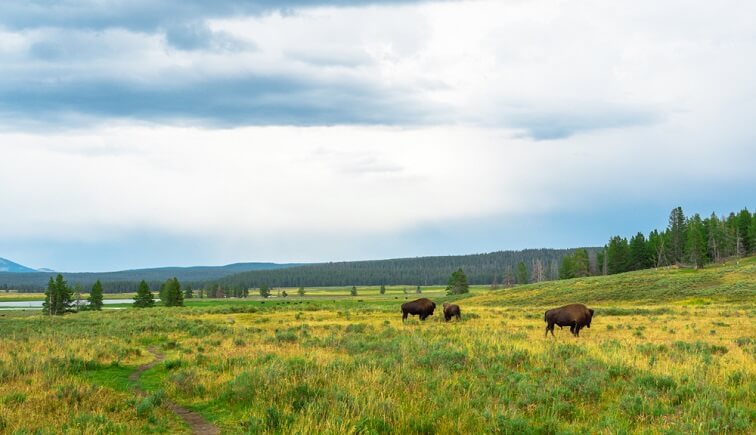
x,y
317,130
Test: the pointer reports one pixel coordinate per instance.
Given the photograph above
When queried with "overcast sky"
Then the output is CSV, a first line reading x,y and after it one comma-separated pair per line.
x,y
141,133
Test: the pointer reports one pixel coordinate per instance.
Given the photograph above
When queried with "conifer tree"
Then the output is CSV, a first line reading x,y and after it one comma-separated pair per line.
x,y
188,294
522,273
566,268
457,283
353,292
301,291
58,297
95,297
144,298
264,291
418,290
173,295
696,245
677,234
383,289
744,229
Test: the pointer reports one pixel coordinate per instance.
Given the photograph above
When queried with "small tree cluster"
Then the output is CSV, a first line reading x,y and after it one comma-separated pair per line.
x,y
58,297
264,291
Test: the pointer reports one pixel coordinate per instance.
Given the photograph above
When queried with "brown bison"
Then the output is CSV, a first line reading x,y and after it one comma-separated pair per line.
x,y
451,310
422,307
576,316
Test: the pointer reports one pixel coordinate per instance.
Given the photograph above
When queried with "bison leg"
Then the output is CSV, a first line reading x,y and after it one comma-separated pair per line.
x,y
549,327
572,329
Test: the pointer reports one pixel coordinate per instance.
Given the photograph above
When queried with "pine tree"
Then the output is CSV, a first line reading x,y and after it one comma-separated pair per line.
x,y
383,289
353,292
264,291
696,245
677,231
566,269
301,291
95,297
617,255
744,229
580,263
173,295
417,290
639,257
522,273
144,298
753,233
188,293
58,297
457,283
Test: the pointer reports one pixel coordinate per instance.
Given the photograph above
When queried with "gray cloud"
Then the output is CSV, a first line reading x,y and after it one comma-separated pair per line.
x,y
216,101
198,36
147,15
545,124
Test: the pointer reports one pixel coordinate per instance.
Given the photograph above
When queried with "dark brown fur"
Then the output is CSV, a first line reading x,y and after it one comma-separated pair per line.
x,y
422,307
451,310
576,316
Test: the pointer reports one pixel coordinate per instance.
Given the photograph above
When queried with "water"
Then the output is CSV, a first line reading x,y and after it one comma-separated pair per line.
x,y
25,305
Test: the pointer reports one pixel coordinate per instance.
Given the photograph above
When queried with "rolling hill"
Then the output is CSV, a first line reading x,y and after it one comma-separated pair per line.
x,y
731,282
127,280
480,269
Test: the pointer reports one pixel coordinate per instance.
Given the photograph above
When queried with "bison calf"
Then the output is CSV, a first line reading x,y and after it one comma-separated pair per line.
x,y
451,310
422,307
576,316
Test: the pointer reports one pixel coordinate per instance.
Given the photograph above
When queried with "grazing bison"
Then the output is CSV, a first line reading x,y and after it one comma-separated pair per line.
x,y
422,307
451,310
576,316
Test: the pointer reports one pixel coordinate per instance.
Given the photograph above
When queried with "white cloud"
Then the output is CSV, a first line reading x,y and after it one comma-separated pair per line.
x,y
346,123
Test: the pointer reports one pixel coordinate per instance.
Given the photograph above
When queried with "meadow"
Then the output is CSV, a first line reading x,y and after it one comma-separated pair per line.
x,y
669,351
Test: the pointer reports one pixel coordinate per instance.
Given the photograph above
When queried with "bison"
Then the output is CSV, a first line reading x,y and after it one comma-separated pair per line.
x,y
422,307
451,310
576,316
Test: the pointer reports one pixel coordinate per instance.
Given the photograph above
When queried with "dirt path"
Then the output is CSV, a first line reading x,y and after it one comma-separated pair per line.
x,y
196,422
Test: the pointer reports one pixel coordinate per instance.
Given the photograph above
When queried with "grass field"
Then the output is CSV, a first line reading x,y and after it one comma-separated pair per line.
x,y
669,351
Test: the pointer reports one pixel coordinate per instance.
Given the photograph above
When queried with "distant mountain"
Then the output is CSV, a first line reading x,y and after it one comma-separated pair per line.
x,y
11,267
127,280
44,269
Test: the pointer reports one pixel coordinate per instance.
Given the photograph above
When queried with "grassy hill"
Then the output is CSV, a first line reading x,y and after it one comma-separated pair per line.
x,y
732,282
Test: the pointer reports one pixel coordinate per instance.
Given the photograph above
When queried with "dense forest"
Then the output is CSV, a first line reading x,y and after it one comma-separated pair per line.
x,y
128,280
688,241
503,268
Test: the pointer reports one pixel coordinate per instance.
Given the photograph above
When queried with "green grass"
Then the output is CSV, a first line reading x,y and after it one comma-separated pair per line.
x,y
669,351
115,377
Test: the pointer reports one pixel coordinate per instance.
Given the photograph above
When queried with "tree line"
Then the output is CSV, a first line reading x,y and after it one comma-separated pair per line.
x,y
687,241
498,269
61,298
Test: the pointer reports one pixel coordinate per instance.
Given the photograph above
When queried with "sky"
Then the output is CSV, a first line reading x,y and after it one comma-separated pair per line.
x,y
145,133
